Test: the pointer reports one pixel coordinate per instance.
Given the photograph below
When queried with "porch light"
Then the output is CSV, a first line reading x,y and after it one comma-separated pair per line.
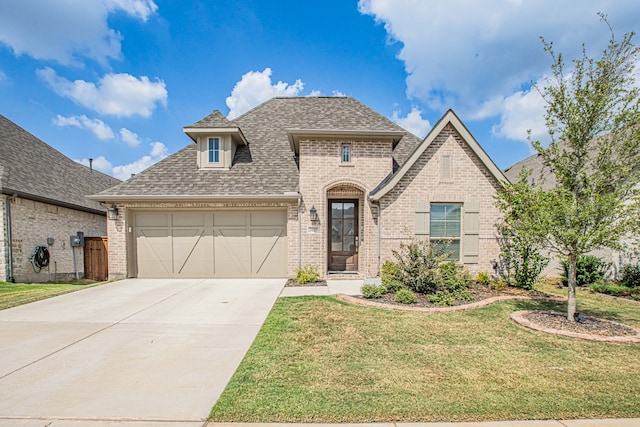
x,y
112,212
313,213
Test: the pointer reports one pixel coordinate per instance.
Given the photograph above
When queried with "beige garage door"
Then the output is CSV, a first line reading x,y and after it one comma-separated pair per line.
x,y
228,243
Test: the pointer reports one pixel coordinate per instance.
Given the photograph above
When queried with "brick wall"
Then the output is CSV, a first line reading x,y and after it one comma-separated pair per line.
x,y
121,238
469,181
324,176
33,222
4,271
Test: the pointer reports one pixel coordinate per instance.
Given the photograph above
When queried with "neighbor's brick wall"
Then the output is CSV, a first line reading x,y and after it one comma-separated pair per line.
x,y
469,181
121,240
32,222
322,175
4,270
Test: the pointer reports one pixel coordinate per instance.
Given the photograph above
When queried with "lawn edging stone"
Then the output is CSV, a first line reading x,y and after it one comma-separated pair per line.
x,y
520,319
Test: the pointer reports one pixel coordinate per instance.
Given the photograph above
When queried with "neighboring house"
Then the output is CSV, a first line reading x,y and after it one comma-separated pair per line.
x,y
541,175
320,181
43,203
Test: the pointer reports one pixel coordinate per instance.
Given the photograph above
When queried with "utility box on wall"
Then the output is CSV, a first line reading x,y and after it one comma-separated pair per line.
x,y
77,240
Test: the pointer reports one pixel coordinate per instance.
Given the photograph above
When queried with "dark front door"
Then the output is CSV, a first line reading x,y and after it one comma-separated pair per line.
x,y
343,235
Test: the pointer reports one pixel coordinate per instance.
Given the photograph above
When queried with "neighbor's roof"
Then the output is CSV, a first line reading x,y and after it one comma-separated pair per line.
x,y
266,167
450,118
34,170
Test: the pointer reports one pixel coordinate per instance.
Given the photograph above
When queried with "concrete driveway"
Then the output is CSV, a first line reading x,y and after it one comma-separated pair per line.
x,y
140,349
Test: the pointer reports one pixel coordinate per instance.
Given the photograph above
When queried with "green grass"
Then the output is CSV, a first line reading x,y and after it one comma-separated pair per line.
x,y
317,359
13,294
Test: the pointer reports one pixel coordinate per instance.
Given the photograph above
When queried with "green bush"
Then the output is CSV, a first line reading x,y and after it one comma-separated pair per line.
x,y
483,278
498,285
418,265
373,291
631,276
405,296
390,272
521,263
611,289
589,270
455,278
394,286
307,274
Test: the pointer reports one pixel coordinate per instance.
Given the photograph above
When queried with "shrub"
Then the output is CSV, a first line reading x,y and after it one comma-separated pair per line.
x,y
611,289
498,285
394,286
455,278
307,274
405,296
390,272
483,278
631,276
521,262
589,270
373,291
418,265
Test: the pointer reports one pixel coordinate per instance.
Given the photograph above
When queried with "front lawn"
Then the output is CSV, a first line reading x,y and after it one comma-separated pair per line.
x,y
13,294
317,359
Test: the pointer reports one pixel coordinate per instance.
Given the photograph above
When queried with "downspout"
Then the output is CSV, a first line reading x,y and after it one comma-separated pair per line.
x,y
299,235
9,237
379,239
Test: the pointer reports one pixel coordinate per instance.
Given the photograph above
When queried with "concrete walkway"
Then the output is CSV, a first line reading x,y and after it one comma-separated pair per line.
x,y
149,351
348,287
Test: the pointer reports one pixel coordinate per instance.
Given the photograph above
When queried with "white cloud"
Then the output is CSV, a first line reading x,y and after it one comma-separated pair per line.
x,y
130,138
123,172
99,128
338,93
522,111
464,55
254,88
65,30
315,92
120,95
100,163
158,152
413,122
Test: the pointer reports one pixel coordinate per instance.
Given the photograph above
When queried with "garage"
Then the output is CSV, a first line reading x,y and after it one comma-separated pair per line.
x,y
221,243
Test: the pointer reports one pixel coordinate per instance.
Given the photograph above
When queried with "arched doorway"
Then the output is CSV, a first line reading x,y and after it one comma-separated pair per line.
x,y
344,222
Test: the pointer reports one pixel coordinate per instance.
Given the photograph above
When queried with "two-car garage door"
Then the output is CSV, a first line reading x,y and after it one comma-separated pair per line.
x,y
224,243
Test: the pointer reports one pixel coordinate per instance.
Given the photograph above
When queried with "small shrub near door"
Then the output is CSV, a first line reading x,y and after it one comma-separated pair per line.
x,y
307,274
405,296
373,291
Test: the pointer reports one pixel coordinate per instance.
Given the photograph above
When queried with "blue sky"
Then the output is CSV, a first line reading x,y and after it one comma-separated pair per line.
x,y
116,80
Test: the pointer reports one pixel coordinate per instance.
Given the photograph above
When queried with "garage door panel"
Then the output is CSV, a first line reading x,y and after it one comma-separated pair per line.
x,y
225,243
268,249
232,257
192,252
154,252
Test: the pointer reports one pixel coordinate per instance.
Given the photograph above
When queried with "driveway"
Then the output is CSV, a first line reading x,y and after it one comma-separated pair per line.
x,y
139,349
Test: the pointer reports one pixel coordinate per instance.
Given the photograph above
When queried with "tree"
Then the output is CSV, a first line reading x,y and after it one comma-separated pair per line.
x,y
593,119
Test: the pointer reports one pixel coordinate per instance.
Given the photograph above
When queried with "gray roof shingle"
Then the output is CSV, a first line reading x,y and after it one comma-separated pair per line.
x,y
213,120
266,166
35,170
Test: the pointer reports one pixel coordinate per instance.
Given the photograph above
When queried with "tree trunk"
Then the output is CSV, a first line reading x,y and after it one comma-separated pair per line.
x,y
571,303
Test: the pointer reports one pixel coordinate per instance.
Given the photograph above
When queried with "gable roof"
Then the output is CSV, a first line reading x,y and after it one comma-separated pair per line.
x,y
34,170
266,167
449,118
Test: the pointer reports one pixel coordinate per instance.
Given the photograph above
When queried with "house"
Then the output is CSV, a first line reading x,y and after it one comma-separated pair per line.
x,y
43,204
320,181
540,175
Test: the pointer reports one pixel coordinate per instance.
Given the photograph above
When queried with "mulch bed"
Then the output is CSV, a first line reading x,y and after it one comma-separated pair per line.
x,y
587,325
478,292
291,283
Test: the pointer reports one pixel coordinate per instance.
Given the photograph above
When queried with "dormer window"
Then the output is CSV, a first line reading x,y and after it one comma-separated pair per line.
x,y
214,150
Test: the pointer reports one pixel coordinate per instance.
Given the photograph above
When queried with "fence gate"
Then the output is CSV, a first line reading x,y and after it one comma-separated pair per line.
x,y
95,259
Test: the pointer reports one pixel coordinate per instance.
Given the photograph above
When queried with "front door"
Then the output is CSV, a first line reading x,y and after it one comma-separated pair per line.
x,y
343,235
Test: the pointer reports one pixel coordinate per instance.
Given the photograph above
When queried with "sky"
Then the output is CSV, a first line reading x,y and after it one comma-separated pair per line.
x,y
117,80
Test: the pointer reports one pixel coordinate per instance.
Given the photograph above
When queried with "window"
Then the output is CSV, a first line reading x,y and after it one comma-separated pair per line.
x,y
214,150
346,153
445,227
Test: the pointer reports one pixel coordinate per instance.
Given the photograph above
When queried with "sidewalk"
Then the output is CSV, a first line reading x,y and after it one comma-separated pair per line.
x,y
348,287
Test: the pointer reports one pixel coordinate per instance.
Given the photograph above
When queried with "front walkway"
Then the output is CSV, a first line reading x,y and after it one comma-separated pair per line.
x,y
348,287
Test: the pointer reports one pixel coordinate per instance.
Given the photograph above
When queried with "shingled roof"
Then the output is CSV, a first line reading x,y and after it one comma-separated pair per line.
x,y
34,170
266,167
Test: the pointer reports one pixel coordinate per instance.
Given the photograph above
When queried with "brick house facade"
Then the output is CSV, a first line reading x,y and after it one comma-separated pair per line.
x,y
324,181
43,203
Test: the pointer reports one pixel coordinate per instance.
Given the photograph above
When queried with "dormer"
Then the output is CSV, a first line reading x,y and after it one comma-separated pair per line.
x,y
217,139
